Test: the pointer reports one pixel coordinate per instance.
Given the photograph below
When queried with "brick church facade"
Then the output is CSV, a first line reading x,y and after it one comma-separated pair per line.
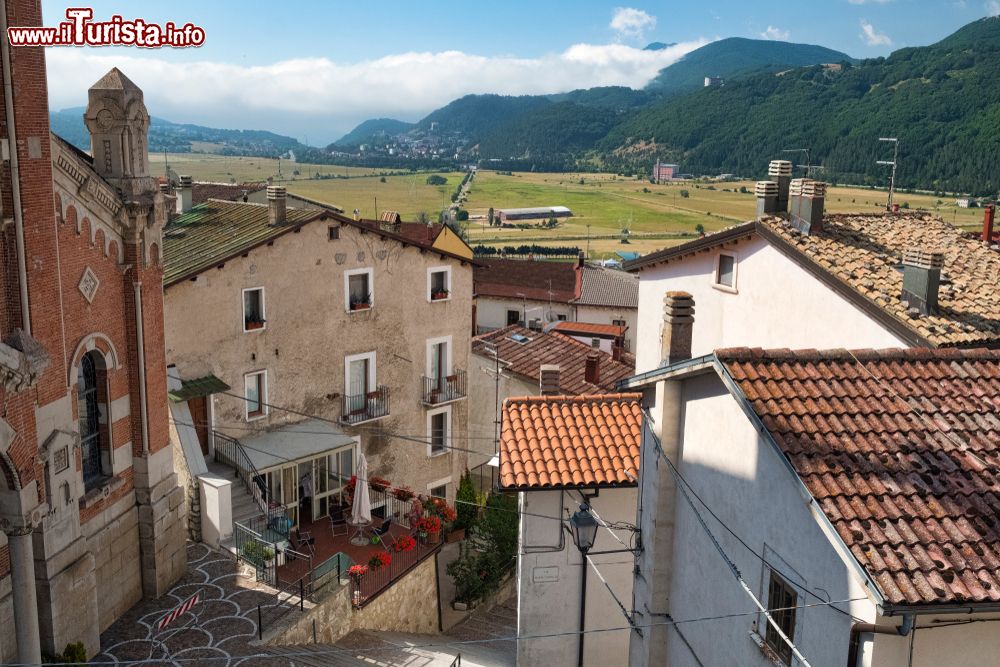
x,y
90,509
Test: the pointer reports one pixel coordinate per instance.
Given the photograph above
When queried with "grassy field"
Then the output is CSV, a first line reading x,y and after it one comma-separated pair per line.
x,y
602,204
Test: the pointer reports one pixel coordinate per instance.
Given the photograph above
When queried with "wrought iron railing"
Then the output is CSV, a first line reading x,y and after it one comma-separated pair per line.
x,y
385,505
445,388
374,582
230,452
253,548
365,407
333,569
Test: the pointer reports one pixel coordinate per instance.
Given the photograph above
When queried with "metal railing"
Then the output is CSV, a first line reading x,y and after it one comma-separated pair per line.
x,y
374,582
444,389
360,408
254,549
333,569
385,505
230,452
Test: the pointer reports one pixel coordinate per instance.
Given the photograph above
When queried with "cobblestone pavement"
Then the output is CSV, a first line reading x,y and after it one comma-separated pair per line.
x,y
216,633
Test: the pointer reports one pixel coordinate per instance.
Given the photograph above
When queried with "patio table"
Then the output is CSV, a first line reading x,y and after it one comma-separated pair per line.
x,y
358,539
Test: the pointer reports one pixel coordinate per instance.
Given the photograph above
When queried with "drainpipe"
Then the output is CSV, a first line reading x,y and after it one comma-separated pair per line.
x,y
15,177
137,288
858,629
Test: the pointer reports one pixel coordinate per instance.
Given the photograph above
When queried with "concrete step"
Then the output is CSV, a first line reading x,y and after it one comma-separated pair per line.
x,y
316,655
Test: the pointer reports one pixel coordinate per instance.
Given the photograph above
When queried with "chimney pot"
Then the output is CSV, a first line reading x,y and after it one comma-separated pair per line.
x,y
276,200
921,279
988,218
592,371
548,380
678,327
780,172
767,198
185,188
581,260
807,201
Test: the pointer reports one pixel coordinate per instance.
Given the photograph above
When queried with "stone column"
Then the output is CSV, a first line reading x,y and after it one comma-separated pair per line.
x,y
22,570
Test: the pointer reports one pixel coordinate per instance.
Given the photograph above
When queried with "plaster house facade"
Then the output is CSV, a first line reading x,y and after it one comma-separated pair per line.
x,y
89,501
549,457
536,294
852,492
329,336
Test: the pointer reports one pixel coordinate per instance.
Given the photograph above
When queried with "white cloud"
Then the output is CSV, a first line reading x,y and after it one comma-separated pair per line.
x,y
872,37
993,7
325,99
631,23
775,33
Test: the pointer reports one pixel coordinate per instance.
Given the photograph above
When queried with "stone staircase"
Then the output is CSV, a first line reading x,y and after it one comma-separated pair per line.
x,y
316,655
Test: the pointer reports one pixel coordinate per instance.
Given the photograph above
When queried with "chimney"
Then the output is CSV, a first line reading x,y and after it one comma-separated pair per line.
x,y
988,217
678,326
592,371
767,198
921,278
780,172
184,194
617,350
548,380
276,205
807,199
581,260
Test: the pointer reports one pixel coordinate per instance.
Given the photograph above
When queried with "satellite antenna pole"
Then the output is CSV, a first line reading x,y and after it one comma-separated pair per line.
x,y
891,163
808,163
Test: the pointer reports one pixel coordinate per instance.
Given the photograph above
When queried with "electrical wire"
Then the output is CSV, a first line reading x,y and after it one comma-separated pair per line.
x,y
461,642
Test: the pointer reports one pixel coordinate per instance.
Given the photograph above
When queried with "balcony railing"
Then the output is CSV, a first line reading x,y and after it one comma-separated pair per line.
x,y
444,389
375,582
365,407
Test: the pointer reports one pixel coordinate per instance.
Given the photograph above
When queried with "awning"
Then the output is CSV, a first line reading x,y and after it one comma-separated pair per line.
x,y
293,443
494,462
198,387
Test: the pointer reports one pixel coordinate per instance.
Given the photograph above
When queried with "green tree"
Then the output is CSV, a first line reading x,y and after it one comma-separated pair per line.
x,y
685,194
435,179
462,215
465,502
489,217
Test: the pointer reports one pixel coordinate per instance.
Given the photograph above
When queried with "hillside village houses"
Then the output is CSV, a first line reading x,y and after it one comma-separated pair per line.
x,y
90,504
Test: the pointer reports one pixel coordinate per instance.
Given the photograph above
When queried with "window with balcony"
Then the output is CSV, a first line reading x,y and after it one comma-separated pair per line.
x,y
438,431
439,284
442,383
359,289
364,400
255,394
253,309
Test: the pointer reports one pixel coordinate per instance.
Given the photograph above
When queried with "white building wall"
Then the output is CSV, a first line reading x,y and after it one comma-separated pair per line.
x,y
549,581
485,399
491,313
777,304
937,641
600,315
746,482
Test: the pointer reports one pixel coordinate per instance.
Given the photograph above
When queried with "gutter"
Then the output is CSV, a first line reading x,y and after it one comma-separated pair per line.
x,y
858,629
15,177
685,367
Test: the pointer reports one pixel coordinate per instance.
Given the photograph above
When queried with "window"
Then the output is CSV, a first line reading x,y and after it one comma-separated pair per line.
x,y
438,428
439,284
439,491
253,309
360,374
781,595
513,317
255,391
561,318
333,232
618,323
92,408
595,343
359,289
725,271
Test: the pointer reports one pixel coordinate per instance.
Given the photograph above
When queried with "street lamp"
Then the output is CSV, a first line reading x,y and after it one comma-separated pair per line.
x,y
584,527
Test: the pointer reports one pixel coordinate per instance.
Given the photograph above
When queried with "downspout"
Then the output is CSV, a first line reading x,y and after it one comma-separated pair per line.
x,y
858,629
137,288
15,178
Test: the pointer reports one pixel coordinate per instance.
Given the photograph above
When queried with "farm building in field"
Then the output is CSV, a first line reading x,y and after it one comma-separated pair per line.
x,y
536,213
664,172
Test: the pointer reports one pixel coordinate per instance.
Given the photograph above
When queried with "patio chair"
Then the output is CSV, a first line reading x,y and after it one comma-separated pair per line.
x,y
338,522
302,542
381,531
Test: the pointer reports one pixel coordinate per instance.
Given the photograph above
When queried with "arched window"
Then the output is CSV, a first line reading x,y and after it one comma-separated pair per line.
x,y
93,414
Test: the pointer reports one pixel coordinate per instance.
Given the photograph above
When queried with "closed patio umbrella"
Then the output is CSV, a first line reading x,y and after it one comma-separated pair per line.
x,y
361,508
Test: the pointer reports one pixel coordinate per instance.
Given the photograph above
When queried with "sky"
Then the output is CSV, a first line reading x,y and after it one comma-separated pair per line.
x,y
313,70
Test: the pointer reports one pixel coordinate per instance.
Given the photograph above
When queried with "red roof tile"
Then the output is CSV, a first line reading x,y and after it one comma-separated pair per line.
x,y
901,449
509,278
566,441
525,359
588,329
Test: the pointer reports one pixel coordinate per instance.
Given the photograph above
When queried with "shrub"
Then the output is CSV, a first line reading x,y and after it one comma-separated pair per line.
x,y
491,554
434,179
257,553
685,194
465,503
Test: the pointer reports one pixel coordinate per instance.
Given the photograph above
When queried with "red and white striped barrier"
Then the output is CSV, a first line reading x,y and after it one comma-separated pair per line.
x,y
177,611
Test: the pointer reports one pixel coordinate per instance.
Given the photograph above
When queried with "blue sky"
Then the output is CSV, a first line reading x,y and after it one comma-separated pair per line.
x,y
316,68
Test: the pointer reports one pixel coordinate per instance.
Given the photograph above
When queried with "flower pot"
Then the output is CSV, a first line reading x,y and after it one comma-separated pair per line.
x,y
433,537
250,326
455,536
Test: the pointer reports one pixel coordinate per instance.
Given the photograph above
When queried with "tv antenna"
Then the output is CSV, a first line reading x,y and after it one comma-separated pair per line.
x,y
891,163
808,166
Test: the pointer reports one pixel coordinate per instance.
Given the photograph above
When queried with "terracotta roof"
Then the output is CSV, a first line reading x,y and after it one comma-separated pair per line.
x,y
215,231
525,359
588,329
202,192
565,441
507,278
859,256
601,286
901,450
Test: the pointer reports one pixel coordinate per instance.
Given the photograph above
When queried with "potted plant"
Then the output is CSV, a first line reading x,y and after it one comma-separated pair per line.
x,y
379,483
253,322
403,494
260,555
379,560
362,304
431,525
356,572
404,543
416,511
439,294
